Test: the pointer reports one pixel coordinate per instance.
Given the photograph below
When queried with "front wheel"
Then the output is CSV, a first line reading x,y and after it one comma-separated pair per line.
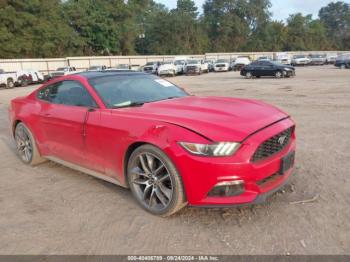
x,y
278,74
248,75
342,66
155,182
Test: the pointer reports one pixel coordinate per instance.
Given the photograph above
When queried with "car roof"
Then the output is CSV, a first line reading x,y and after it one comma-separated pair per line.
x,y
94,74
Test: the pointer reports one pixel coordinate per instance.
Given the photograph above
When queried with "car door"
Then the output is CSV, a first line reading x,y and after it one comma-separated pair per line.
x,y
255,68
64,109
268,68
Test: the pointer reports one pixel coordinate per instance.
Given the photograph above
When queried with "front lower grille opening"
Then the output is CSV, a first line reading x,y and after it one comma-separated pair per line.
x,y
226,190
273,145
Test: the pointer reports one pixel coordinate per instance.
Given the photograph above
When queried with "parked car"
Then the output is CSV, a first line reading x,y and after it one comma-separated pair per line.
x,y
196,66
62,71
318,59
143,132
151,67
240,62
343,62
97,68
267,68
210,63
10,80
121,67
168,68
264,58
135,67
222,65
331,58
283,58
180,63
299,60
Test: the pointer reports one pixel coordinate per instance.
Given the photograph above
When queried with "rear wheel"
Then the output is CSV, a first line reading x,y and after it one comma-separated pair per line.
x,y
10,83
26,146
155,182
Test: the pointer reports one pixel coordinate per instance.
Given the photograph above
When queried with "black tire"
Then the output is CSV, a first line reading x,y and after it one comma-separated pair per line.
x,y
278,74
150,169
24,82
27,149
10,84
342,66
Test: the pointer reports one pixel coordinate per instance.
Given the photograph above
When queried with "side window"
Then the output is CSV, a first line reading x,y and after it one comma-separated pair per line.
x,y
67,93
44,93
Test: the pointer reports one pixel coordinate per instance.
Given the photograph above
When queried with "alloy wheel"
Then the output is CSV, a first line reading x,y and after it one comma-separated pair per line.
x,y
278,74
24,144
151,182
249,75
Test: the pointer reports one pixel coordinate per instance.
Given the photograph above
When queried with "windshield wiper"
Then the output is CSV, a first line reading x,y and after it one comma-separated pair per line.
x,y
132,104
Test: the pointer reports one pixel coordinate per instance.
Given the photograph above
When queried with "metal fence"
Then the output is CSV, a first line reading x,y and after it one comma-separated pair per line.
x,y
47,65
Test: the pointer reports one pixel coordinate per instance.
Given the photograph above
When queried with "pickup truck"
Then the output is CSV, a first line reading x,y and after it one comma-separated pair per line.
x,y
9,80
62,71
196,67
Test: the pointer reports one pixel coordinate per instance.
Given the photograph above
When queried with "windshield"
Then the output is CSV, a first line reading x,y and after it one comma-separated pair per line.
x,y
122,66
150,63
123,90
317,56
95,67
193,62
222,61
299,56
62,69
168,63
179,62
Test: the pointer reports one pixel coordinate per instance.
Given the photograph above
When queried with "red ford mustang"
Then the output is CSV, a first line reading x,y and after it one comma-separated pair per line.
x,y
170,148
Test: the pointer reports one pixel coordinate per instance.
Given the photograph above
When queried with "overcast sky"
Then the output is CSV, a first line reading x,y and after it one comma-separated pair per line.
x,y
280,8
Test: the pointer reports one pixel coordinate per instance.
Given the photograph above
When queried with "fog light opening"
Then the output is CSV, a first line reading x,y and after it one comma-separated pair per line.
x,y
227,189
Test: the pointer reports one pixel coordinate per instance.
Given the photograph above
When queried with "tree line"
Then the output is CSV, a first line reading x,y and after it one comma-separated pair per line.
x,y
57,28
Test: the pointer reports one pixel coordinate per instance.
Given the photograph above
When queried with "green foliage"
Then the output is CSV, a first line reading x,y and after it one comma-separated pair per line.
x,y
56,28
336,20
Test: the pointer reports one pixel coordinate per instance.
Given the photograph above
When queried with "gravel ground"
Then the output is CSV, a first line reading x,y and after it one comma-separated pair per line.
x,y
51,209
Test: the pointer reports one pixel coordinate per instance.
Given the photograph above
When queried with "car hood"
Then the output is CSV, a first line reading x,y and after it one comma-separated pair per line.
x,y
301,59
166,67
287,66
216,118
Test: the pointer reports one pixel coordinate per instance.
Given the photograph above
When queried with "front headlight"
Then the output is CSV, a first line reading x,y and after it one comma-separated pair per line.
x,y
217,149
287,69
